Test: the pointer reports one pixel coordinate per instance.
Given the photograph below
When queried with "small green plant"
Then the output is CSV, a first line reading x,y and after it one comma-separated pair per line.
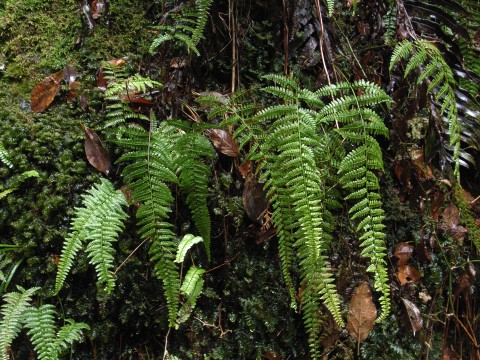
x,y
17,313
188,27
438,75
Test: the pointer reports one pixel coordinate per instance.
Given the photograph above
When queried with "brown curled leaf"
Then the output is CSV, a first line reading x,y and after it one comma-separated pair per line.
x,y
224,142
408,274
414,316
44,92
96,153
403,252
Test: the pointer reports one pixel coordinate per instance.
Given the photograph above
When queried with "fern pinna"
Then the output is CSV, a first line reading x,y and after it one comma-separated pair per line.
x,y
441,82
99,222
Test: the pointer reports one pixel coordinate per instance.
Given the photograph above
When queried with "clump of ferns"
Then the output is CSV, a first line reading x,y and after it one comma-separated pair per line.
x,y
300,152
49,343
157,159
187,28
439,77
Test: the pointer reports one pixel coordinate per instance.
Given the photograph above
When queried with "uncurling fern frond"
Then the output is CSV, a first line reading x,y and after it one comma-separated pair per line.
x,y
188,27
441,82
16,303
194,150
148,175
99,221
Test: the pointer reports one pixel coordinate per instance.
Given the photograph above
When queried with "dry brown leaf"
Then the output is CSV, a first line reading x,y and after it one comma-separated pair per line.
x,y
414,316
450,216
96,154
403,252
362,313
69,74
224,142
44,92
254,199
245,168
408,274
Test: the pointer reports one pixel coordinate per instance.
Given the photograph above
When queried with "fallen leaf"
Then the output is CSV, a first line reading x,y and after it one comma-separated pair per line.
x,y
450,216
96,154
437,199
414,316
101,80
403,252
254,199
44,92
362,313
245,168
408,274
98,7
422,253
224,142
272,356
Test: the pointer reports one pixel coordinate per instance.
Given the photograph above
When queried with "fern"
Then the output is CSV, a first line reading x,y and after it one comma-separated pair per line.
x,y
150,171
4,157
99,221
192,287
16,303
188,28
48,343
441,83
121,90
192,149
358,124
296,188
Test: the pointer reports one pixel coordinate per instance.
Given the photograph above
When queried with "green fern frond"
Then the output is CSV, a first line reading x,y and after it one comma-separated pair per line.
x,y
4,157
49,344
441,83
100,221
188,28
331,6
352,107
192,287
147,177
15,304
193,150
185,244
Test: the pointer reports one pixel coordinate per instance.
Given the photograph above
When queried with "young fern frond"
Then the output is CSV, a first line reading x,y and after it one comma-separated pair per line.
x,y
193,150
148,177
16,303
188,28
192,287
100,221
4,157
441,83
47,342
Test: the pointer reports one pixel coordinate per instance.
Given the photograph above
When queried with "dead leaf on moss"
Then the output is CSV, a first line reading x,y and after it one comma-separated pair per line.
x,y
224,142
245,168
44,92
408,274
414,316
403,252
254,199
362,313
96,153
